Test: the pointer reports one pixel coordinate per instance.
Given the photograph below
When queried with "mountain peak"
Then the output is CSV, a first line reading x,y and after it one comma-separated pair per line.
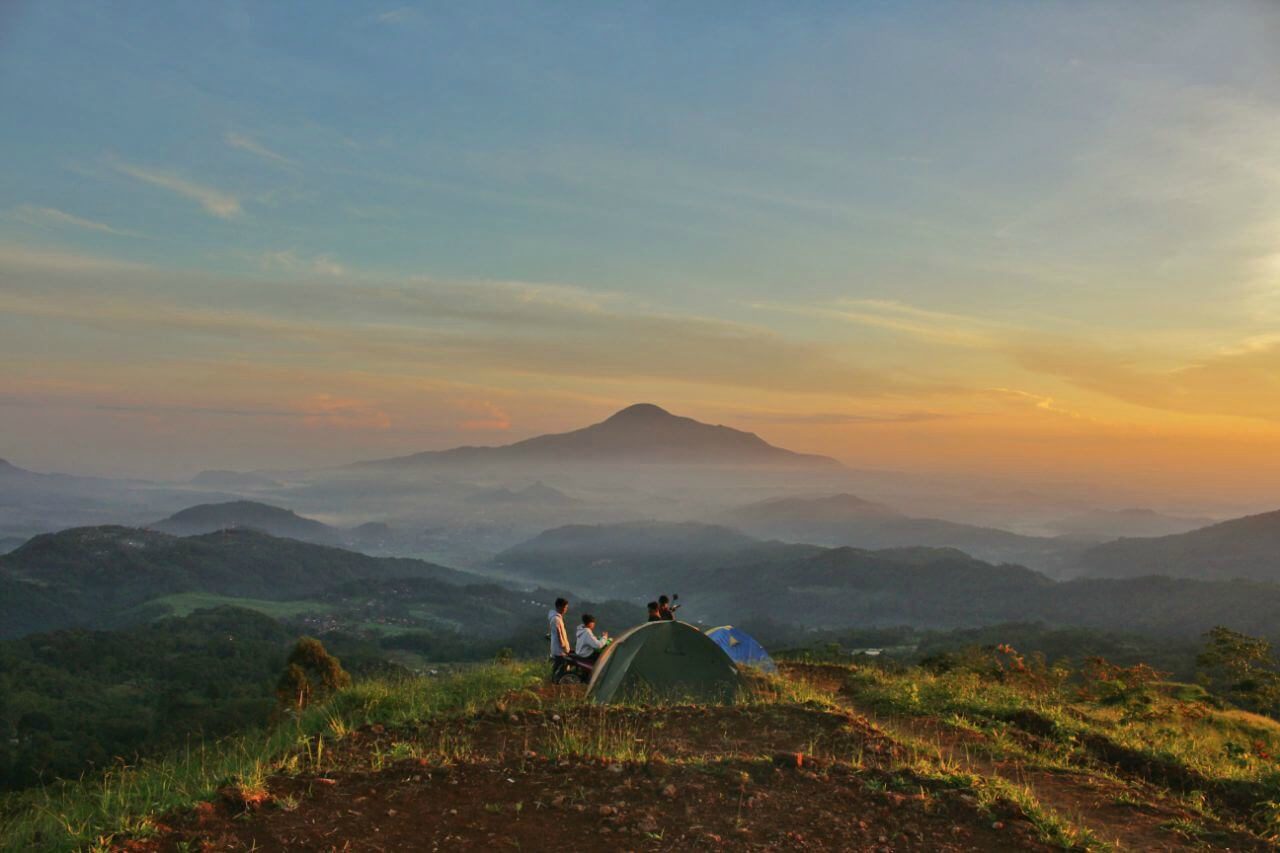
x,y
641,432
640,412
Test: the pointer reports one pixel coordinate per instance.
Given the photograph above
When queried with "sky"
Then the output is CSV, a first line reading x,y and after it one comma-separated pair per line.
x,y
1035,239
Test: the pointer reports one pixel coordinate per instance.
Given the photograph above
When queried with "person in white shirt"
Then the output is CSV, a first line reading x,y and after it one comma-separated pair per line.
x,y
559,637
589,646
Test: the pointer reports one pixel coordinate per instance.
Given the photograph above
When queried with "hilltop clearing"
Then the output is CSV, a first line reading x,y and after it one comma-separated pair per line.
x,y
492,759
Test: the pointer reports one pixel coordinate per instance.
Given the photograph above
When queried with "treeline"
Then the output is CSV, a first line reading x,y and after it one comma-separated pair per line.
x,y
79,701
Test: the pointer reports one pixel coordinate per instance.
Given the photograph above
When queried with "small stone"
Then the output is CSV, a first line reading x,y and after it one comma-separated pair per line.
x,y
606,811
514,718
648,824
555,718
669,792
616,768
998,825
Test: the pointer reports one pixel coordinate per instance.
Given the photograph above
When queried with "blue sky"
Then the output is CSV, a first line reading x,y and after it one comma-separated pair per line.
x,y
901,188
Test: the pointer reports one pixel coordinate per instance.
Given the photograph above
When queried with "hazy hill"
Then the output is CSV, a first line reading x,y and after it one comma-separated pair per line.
x,y
89,576
1246,547
723,575
277,521
846,519
643,433
1105,525
537,494
635,558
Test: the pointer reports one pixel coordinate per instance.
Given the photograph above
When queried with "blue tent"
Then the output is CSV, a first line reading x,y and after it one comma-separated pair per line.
x,y
742,648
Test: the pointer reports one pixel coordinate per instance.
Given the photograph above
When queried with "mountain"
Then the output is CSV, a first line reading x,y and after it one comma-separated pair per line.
x,y
1104,525
277,521
1246,547
845,519
725,576
643,433
634,558
90,577
536,494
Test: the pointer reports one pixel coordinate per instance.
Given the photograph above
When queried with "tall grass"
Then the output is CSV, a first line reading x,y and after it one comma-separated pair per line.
x,y
125,801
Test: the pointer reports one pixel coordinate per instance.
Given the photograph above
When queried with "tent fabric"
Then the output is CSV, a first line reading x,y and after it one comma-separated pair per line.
x,y
664,661
742,648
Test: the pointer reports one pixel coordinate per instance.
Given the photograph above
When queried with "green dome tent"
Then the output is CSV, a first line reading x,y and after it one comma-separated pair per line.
x,y
664,660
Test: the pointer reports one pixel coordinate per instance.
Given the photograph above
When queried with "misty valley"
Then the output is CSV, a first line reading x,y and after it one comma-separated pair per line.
x,y
136,615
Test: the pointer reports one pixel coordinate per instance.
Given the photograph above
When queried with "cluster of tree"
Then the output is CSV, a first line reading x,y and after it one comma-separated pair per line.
x,y
1244,669
77,701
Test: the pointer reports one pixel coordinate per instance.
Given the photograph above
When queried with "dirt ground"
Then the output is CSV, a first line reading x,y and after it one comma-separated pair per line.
x,y
769,777
545,805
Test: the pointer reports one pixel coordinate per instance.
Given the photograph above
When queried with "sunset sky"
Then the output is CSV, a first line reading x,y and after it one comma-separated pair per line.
x,y
1022,238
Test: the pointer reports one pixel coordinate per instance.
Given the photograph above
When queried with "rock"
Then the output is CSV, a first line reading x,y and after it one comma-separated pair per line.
x,y
669,792
606,811
998,825
648,825
616,768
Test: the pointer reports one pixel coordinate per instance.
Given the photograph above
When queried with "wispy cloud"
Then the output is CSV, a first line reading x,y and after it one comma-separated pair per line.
x,y
217,202
397,16
247,143
841,418
287,260
33,215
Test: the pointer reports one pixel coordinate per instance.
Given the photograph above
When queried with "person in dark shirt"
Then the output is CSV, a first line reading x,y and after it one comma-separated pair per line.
x,y
654,614
665,610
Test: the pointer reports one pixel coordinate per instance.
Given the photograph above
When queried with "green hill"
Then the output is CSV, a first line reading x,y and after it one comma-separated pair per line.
x,y
90,577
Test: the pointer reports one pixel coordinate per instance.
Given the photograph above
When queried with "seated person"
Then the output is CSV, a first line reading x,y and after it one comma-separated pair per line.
x,y
665,610
654,614
589,645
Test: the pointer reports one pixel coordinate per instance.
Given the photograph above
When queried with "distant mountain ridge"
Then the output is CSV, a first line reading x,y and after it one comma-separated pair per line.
x,y
724,575
1247,547
845,519
252,515
642,433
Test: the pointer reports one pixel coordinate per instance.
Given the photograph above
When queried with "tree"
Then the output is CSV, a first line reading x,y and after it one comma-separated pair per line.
x,y
1243,666
311,673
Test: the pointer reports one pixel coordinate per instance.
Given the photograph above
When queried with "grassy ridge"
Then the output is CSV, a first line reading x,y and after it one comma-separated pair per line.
x,y
186,603
1174,735
92,812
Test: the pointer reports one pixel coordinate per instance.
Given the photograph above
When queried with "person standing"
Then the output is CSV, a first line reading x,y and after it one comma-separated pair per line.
x,y
654,614
559,637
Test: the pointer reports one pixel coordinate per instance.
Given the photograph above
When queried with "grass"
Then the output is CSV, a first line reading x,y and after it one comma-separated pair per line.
x,y
599,733
1166,722
125,801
